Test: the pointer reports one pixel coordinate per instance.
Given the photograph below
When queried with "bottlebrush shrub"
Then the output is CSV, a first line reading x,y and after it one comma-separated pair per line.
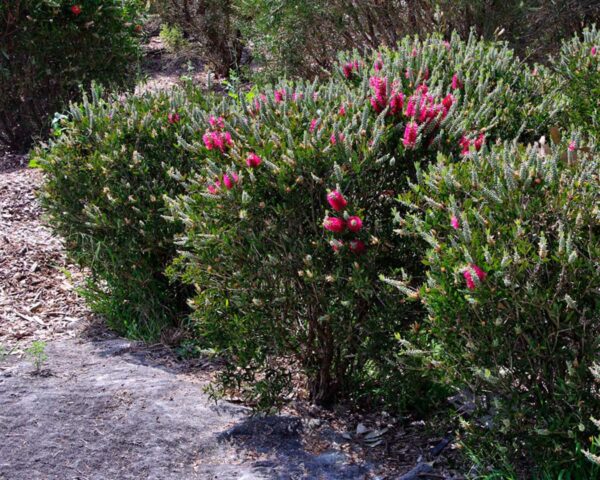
x,y
512,285
288,227
577,73
470,70
49,48
106,174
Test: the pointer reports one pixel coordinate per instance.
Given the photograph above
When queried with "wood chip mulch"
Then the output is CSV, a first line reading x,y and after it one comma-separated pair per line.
x,y
38,300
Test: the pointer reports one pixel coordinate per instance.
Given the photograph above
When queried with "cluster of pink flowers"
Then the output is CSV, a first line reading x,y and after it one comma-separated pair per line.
x,y
253,160
217,140
216,123
352,223
173,117
335,139
349,68
466,143
594,51
229,181
469,278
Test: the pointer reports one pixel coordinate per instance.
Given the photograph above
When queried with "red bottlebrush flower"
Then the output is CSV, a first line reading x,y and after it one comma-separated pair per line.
x,y
376,105
336,200
313,125
396,103
348,68
334,224
173,117
228,182
594,51
469,279
455,222
342,111
336,245
354,224
410,135
465,144
456,83
479,272
357,246
253,160
448,101
76,10
479,141
422,89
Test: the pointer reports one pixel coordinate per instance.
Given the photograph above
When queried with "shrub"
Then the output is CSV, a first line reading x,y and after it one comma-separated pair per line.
x,y
210,23
172,37
277,290
577,72
107,170
49,48
512,293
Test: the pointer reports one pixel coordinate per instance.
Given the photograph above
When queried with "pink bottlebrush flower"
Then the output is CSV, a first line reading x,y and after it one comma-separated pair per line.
x,y
422,89
212,189
334,224
348,68
336,245
594,51
465,144
342,111
411,107
216,122
253,160
455,222
354,224
235,177
336,200
378,65
414,52
376,105
426,76
313,125
334,140
410,135
357,246
279,95
447,44
228,182
208,141
448,101
173,117
456,83
572,146
479,141
469,279
479,272
396,103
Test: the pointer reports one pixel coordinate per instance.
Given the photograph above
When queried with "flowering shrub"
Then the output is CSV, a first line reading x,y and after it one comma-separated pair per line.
x,y
577,73
48,48
288,228
106,173
512,292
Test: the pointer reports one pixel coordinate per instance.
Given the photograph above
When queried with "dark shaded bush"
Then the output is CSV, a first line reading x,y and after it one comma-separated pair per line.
x,y
50,48
513,276
107,169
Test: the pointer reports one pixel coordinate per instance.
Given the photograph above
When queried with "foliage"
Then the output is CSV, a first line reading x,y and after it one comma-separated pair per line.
x,y
210,23
512,292
106,174
37,353
172,36
577,73
286,282
49,48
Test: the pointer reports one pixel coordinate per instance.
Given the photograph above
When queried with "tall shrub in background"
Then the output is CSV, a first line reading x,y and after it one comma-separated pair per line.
x,y
288,227
50,48
512,285
107,169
